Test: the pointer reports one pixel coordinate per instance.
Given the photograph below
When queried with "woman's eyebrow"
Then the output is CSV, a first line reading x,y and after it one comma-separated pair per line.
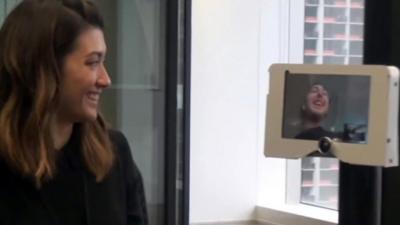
x,y
96,53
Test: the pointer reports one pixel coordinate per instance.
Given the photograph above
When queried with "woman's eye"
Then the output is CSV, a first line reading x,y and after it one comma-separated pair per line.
x,y
93,63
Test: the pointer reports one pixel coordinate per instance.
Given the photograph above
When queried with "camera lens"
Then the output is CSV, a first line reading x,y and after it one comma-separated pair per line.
x,y
324,145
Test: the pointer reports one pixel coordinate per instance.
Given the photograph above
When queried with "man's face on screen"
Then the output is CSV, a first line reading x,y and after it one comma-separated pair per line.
x,y
318,100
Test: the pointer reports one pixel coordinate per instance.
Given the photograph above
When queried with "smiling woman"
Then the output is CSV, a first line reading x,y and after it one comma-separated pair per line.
x,y
58,159
84,77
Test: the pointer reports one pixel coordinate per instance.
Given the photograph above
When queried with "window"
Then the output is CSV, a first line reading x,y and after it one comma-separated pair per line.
x,y
314,32
333,34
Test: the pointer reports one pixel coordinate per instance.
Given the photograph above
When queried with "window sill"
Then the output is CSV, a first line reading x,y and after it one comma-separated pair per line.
x,y
296,215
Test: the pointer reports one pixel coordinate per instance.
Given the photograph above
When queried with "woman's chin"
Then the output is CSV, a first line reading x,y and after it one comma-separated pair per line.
x,y
90,116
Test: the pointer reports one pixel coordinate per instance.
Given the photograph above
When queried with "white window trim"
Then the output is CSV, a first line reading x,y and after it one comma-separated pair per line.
x,y
295,216
273,206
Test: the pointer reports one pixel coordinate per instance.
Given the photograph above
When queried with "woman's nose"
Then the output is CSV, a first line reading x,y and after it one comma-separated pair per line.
x,y
104,79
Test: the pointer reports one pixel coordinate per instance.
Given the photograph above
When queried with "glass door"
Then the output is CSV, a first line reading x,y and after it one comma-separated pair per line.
x,y
135,102
146,60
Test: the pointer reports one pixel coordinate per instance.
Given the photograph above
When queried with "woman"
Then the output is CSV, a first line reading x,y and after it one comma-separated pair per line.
x,y
314,110
59,164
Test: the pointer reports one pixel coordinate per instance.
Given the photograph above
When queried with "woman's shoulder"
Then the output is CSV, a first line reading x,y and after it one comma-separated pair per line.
x,y
120,142
121,146
117,137
124,154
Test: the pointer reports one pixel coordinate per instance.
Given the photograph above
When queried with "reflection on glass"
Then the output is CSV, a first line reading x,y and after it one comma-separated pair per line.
x,y
134,103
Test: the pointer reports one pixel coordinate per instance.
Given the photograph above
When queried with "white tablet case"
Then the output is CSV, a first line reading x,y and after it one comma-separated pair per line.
x,y
381,148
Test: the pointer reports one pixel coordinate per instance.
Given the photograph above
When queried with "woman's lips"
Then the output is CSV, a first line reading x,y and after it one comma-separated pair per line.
x,y
94,96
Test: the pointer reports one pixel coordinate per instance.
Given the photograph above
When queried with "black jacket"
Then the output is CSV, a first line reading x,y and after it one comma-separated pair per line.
x,y
117,200
316,134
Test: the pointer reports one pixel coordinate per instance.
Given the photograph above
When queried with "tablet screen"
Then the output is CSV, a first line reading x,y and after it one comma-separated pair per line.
x,y
334,106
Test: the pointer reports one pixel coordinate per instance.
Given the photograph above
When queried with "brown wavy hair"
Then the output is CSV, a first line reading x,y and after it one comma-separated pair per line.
x,y
34,40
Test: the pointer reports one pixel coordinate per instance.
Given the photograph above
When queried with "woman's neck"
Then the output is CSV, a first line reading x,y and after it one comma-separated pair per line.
x,y
61,133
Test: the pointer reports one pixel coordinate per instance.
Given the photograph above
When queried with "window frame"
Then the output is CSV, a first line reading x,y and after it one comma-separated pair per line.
x,y
280,203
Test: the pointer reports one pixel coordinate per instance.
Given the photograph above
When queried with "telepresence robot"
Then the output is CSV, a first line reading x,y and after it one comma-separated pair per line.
x,y
345,111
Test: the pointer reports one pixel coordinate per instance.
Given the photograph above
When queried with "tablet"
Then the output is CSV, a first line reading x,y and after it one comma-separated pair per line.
x,y
345,111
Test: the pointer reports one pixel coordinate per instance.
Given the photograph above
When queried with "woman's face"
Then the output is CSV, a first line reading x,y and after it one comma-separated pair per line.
x,y
83,78
318,100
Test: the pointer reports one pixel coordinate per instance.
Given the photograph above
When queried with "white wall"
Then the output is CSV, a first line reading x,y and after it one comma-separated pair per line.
x,y
233,44
224,109
271,175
